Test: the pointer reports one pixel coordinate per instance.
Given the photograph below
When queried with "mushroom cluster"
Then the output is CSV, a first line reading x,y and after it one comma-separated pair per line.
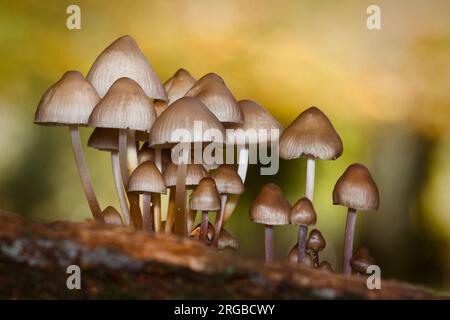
x,y
135,116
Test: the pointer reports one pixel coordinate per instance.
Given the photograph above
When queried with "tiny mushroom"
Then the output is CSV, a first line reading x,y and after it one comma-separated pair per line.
x,y
325,266
361,260
270,208
227,241
315,244
195,233
179,84
111,216
302,214
356,190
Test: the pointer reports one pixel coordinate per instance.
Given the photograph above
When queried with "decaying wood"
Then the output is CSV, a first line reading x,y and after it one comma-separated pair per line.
x,y
122,263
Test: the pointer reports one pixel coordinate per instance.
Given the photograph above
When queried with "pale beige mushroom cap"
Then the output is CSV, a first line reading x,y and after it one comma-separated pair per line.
x,y
146,178
124,58
69,101
179,84
270,206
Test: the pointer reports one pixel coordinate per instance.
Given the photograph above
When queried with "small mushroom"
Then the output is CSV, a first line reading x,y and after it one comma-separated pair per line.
x,y
205,198
293,257
112,216
303,215
179,84
315,244
325,266
361,260
356,190
195,233
270,208
227,241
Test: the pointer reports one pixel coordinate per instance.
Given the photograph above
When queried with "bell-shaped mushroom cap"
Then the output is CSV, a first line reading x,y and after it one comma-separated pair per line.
x,y
146,153
146,178
123,58
325,266
195,233
160,106
316,241
194,173
303,213
227,180
180,83
111,216
185,116
306,261
311,134
212,91
205,197
256,118
69,101
227,240
270,206
104,139
125,106
361,260
356,189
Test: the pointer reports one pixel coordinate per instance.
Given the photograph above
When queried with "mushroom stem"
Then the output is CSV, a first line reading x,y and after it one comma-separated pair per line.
x,y
204,227
268,242
301,245
315,256
171,211
348,241
310,173
181,187
219,219
191,218
147,214
119,186
156,200
123,155
84,174
243,163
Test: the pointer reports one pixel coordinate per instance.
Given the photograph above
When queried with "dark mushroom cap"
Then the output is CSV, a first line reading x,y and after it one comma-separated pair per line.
x,y
125,106
227,240
227,180
205,197
325,266
123,58
270,206
316,241
104,139
195,233
303,213
194,173
147,153
361,260
311,134
112,216
213,92
146,178
356,189
68,101
179,84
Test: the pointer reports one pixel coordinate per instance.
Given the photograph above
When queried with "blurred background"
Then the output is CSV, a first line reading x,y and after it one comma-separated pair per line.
x,y
386,92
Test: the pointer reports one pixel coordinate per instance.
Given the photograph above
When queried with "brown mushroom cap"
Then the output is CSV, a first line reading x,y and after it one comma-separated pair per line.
x,y
205,197
227,180
303,213
306,261
125,106
194,173
311,134
146,178
213,92
361,260
325,266
123,58
104,139
256,117
146,153
356,189
227,240
195,233
112,216
182,115
270,206
68,101
179,84
160,106
316,241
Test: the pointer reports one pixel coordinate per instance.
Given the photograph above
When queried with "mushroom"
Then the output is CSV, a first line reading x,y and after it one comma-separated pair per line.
x,y
356,190
293,257
205,198
303,215
325,266
69,102
227,241
147,180
195,233
111,216
315,244
310,135
124,58
194,173
184,116
178,85
108,140
227,182
126,107
270,208
361,260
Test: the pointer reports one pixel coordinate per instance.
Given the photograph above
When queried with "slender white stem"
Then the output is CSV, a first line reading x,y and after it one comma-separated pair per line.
x,y
84,174
119,186
132,156
243,163
310,173
123,156
158,160
181,188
